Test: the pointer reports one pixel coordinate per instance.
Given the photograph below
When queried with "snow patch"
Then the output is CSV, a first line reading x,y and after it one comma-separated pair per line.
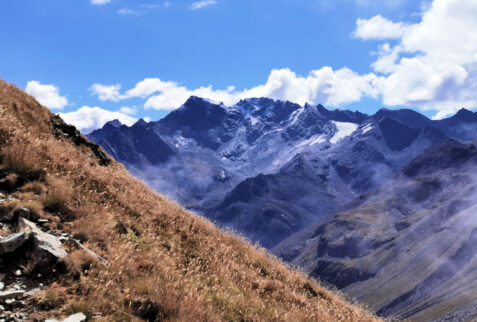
x,y
295,115
315,139
253,120
344,129
367,128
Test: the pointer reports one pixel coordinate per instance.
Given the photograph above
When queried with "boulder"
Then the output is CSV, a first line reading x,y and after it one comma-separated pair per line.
x,y
12,242
46,246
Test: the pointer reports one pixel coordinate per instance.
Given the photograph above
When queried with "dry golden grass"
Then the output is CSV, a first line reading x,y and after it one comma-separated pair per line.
x,y
164,262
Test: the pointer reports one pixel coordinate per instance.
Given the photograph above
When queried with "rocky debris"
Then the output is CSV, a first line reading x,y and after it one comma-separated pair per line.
x,y
47,246
78,317
12,242
61,129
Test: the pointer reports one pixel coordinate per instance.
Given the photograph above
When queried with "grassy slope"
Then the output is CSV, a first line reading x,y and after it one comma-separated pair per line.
x,y
169,258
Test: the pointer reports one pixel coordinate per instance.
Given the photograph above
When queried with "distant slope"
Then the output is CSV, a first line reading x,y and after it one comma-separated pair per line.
x,y
409,249
164,263
270,168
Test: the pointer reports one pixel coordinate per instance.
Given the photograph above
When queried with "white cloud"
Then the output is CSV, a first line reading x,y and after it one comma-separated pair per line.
x,y
434,65
167,4
128,110
106,92
100,2
379,28
87,119
320,86
202,4
46,94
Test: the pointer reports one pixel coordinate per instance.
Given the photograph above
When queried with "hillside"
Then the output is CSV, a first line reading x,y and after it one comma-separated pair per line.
x,y
408,249
131,253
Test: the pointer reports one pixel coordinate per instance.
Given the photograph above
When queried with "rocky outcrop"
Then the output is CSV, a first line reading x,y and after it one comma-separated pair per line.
x,y
69,132
46,246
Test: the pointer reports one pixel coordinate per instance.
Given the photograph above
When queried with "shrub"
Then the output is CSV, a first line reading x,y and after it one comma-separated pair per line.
x,y
78,262
35,207
50,298
36,187
17,160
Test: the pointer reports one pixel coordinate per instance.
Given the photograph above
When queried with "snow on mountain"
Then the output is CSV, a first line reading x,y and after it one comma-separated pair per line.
x,y
344,129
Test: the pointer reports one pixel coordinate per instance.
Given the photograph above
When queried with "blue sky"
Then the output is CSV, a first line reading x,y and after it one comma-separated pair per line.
x,y
74,44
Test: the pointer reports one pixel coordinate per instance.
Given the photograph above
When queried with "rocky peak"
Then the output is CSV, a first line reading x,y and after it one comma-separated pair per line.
x,y
465,115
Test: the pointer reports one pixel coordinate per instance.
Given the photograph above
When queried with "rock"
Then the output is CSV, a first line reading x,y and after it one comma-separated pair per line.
x,y
18,272
91,253
46,246
78,317
32,292
12,242
8,295
2,286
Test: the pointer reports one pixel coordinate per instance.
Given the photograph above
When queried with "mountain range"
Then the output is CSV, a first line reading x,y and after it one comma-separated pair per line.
x,y
374,204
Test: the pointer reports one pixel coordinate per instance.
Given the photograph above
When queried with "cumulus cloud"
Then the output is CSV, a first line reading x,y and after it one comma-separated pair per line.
x,y
380,28
87,119
325,85
128,110
100,2
106,92
434,64
46,94
202,4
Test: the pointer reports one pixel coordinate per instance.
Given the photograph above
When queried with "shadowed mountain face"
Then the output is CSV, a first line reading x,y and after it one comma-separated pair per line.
x,y
270,168
408,249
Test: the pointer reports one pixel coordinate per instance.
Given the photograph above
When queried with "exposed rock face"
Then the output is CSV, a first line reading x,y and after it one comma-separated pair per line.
x,y
12,242
46,246
69,132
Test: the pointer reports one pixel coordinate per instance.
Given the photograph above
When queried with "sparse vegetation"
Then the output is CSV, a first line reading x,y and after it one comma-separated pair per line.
x,y
164,263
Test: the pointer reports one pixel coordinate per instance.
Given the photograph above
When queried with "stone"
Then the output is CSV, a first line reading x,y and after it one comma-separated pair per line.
x,y
8,295
2,286
18,272
32,292
44,244
78,317
91,253
12,242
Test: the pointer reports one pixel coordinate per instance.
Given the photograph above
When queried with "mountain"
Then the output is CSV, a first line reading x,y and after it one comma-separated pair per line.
x,y
81,238
409,248
267,168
